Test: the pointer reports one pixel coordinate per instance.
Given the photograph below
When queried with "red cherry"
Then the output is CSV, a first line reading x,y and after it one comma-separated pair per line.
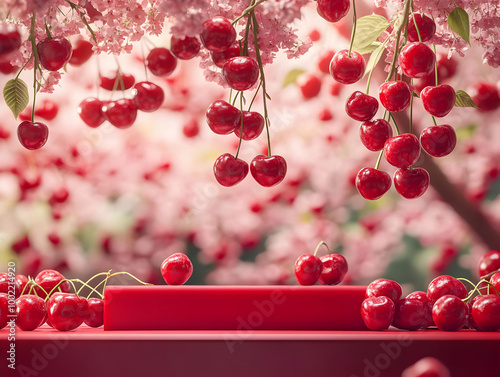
x,y
82,52
438,100
308,269
4,310
268,171
90,111
176,269
377,312
486,312
121,113
54,53
220,58
347,69
222,118
427,367
489,262
21,281
395,95
485,96
422,297
66,311
241,72
6,282
450,313
253,125
333,10
334,269
374,133
48,110
30,311
32,135
24,242
7,68
191,128
184,48
218,34
325,115
148,97
438,141
309,85
324,61
417,60
161,62
445,285
10,40
410,314
495,280
361,106
384,287
48,280
426,28
411,183
95,317
402,151
373,183
119,81
229,171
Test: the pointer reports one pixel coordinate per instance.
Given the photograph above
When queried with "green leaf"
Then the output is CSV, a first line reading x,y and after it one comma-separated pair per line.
x,y
465,133
462,99
369,49
374,58
458,21
15,93
368,29
292,76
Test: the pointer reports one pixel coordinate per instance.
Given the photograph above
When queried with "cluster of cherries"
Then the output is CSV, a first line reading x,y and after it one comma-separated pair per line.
x,y
447,304
48,298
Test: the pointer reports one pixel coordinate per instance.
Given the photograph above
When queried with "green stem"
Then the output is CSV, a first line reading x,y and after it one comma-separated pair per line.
x,y
435,64
398,37
250,8
379,159
322,243
35,63
255,96
416,26
241,127
354,23
434,120
411,108
395,124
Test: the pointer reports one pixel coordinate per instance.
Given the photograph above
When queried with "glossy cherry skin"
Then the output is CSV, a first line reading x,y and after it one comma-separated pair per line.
x,y
308,269
438,100
6,283
410,314
161,62
121,113
176,269
411,183
32,135
438,141
95,314
253,125
220,58
241,72
82,52
426,28
485,96
22,282
309,85
422,297
117,81
372,183
377,312
230,171
334,269
184,48
333,10
30,312
48,110
361,106
148,97
489,262
486,312
345,69
402,151
66,311
4,310
54,53
395,95
427,367
10,40
374,133
268,171
450,313
218,34
417,60
384,287
48,279
495,280
222,117
90,111
445,285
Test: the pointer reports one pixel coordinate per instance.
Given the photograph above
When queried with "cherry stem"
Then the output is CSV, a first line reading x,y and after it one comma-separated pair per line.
x,y
241,126
93,290
411,108
248,10
379,159
35,63
119,78
398,37
394,121
354,23
416,26
488,276
489,285
434,120
322,243
129,274
255,95
144,62
435,64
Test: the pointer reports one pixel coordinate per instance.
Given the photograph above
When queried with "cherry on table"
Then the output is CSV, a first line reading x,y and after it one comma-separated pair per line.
x,y
417,60
82,52
378,312
361,106
6,282
347,69
161,62
54,53
374,133
426,28
118,81
486,312
410,314
222,117
176,269
422,296
438,100
184,48
485,96
32,135
241,72
445,285
309,85
333,10
308,269
66,311
334,269
220,58
121,113
384,287
253,125
48,280
268,171
30,311
411,183
148,97
395,95
95,314
495,281
90,111
402,150
438,141
218,34
450,313
21,281
229,170
372,183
